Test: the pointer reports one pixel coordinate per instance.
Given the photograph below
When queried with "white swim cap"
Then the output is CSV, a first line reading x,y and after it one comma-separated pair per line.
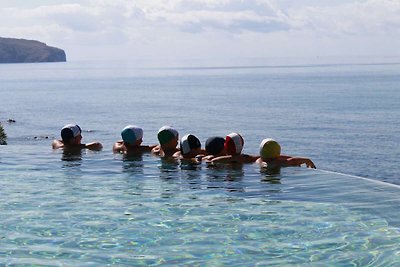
x,y
132,133
234,143
188,143
70,131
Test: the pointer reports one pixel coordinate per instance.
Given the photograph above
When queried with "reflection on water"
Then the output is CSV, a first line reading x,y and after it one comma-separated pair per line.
x,y
132,163
169,168
72,157
272,176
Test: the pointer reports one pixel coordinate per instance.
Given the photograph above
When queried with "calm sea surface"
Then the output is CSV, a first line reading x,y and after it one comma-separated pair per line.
x,y
97,208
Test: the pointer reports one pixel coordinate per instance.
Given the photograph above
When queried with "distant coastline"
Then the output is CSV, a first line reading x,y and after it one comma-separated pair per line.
x,y
29,51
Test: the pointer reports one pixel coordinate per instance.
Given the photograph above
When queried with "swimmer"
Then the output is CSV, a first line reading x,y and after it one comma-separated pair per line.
x,y
132,138
190,149
168,139
71,137
214,148
233,146
271,158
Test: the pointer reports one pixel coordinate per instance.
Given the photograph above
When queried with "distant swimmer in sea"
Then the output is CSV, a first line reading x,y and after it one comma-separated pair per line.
x,y
168,139
233,146
132,138
71,137
190,149
271,158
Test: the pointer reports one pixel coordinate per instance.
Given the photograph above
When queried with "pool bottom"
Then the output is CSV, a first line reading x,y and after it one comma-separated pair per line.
x,y
96,211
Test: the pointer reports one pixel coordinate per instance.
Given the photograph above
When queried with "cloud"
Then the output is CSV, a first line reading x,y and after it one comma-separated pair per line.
x,y
174,27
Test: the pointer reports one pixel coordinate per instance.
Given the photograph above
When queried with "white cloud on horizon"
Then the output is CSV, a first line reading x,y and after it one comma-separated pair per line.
x,y
214,28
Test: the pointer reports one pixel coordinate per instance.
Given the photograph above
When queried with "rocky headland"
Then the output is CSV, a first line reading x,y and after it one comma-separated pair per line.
x,y
28,51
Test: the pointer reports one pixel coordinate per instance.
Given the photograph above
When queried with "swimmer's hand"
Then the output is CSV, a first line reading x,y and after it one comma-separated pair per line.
x,y
94,146
310,164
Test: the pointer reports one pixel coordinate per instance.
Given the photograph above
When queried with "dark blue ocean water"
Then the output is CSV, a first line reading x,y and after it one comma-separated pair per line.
x,y
101,209
344,117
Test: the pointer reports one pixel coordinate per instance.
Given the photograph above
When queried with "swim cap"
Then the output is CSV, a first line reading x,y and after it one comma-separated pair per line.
x,y
189,142
70,131
215,145
269,148
234,143
166,134
131,133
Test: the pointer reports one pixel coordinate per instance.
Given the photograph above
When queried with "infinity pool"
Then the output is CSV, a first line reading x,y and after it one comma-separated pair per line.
x,y
102,209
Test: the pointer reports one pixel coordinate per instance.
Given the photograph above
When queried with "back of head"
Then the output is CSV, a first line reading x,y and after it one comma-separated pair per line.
x,y
269,149
234,144
215,145
188,143
166,134
70,131
131,134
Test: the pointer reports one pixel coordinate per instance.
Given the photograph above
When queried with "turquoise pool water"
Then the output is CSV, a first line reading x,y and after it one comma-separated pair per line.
x,y
98,209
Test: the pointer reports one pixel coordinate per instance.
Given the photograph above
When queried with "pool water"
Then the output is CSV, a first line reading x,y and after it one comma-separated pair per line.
x,y
101,209
97,208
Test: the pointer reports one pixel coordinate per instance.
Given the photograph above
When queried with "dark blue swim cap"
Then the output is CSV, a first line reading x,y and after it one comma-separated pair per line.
x,y
215,145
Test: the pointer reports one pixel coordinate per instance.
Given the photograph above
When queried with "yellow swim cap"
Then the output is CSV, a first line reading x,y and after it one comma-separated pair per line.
x,y
269,148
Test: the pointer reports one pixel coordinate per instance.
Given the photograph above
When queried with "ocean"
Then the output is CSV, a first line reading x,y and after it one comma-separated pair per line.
x,y
97,208
344,117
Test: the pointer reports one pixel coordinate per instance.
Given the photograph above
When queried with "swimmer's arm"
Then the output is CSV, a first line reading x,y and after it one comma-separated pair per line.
x,y
118,147
223,159
177,155
245,158
93,146
298,161
147,148
57,144
156,150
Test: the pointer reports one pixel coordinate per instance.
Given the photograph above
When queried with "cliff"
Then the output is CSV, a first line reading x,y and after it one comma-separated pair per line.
x,y
28,51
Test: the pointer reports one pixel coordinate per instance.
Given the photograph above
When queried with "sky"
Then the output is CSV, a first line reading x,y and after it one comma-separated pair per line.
x,y
207,30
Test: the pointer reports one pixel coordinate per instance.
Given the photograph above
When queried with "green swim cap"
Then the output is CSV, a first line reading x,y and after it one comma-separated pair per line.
x,y
269,148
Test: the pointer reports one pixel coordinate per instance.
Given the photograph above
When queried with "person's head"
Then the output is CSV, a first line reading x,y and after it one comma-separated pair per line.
x,y
168,137
190,145
234,144
132,135
71,134
215,145
269,149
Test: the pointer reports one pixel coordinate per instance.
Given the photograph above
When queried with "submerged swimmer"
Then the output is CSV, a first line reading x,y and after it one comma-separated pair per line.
x,y
168,139
271,158
233,146
190,149
71,137
132,138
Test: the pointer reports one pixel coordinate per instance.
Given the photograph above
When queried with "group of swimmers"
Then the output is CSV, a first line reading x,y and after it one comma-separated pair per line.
x,y
217,149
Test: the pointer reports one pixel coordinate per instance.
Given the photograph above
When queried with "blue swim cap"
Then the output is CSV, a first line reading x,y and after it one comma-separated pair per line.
x,y
131,133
